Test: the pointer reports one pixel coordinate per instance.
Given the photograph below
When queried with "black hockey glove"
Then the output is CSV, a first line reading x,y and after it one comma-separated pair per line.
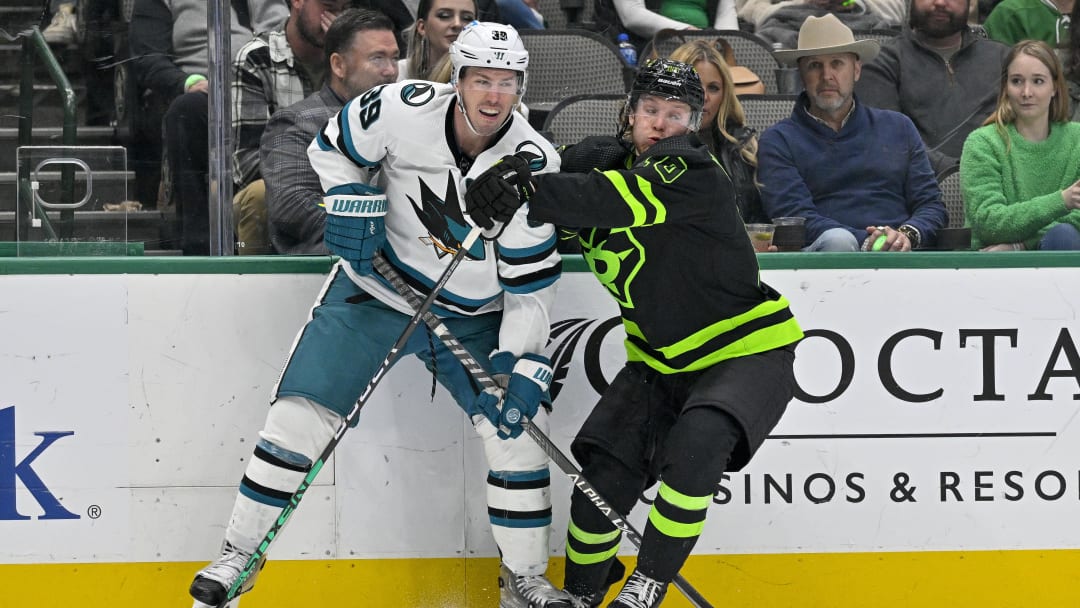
x,y
497,193
595,152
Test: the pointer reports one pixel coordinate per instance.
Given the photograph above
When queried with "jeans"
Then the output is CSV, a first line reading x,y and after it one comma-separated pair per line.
x,y
1063,237
835,239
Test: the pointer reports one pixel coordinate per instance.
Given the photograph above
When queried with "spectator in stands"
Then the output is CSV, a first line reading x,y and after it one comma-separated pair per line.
x,y
856,173
1014,20
779,22
522,14
723,125
642,19
1020,174
396,10
361,52
272,71
169,58
89,26
940,74
438,24
63,30
1071,57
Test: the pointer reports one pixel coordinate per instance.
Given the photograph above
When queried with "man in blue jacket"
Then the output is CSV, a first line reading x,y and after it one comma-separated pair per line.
x,y
860,176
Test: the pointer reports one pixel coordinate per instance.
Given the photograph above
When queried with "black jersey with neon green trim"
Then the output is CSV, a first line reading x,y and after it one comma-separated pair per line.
x,y
665,238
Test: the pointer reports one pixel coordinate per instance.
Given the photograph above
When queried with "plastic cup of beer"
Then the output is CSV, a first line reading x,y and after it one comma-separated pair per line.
x,y
761,235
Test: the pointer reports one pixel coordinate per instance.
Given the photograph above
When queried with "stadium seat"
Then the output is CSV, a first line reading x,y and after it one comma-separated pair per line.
x,y
556,17
763,111
951,195
580,116
564,63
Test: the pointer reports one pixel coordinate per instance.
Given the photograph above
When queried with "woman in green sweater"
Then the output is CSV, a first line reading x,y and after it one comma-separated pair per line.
x,y
1020,172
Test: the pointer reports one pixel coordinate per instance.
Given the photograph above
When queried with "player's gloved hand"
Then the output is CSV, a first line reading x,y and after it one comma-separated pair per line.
x,y
355,225
495,195
529,380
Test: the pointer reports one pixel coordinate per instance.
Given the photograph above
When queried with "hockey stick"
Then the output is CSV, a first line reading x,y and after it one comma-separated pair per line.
x,y
561,460
253,564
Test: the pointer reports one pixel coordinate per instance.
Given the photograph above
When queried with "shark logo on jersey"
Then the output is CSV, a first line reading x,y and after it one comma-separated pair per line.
x,y
417,93
444,220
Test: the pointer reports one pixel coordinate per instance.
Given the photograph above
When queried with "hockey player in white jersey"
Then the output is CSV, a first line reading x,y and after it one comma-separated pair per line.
x,y
395,163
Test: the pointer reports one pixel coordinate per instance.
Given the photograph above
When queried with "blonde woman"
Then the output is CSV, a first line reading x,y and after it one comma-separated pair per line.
x,y
723,125
1020,173
438,24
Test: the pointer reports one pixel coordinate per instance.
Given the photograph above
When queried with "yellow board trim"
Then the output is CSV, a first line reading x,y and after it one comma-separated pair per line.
x,y
960,579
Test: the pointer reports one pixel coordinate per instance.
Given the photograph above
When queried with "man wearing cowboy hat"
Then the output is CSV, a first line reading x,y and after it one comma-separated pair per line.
x,y
859,175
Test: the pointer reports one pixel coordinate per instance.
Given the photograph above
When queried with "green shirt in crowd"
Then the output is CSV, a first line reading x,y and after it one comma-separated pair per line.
x,y
1012,193
1016,20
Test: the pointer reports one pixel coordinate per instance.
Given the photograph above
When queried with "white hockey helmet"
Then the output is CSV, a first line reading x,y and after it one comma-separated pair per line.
x,y
489,45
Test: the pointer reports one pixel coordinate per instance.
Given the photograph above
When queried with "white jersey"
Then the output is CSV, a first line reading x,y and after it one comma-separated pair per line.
x,y
397,139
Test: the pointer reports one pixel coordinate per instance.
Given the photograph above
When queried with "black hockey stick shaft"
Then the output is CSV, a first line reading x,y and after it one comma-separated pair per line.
x,y
553,452
252,565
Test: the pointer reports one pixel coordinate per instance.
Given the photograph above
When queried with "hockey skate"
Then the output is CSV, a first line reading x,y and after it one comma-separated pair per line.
x,y
589,601
212,583
530,592
640,591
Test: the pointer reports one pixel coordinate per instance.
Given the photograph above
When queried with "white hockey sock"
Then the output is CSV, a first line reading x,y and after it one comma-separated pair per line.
x,y
268,483
519,507
519,496
296,432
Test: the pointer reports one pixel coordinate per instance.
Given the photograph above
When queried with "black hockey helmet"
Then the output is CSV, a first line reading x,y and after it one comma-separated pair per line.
x,y
669,79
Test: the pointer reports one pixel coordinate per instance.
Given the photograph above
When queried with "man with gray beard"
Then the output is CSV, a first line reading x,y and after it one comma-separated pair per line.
x,y
858,175
941,73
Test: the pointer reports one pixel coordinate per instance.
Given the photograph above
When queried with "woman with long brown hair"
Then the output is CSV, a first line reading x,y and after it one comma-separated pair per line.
x,y
438,24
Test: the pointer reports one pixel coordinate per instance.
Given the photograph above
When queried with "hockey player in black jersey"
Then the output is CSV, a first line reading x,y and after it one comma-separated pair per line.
x,y
710,348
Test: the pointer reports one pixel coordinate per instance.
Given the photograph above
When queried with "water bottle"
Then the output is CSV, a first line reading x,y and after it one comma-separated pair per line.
x,y
627,50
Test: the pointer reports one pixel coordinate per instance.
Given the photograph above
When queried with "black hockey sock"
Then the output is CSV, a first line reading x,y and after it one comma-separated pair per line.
x,y
592,540
589,558
675,523
697,452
